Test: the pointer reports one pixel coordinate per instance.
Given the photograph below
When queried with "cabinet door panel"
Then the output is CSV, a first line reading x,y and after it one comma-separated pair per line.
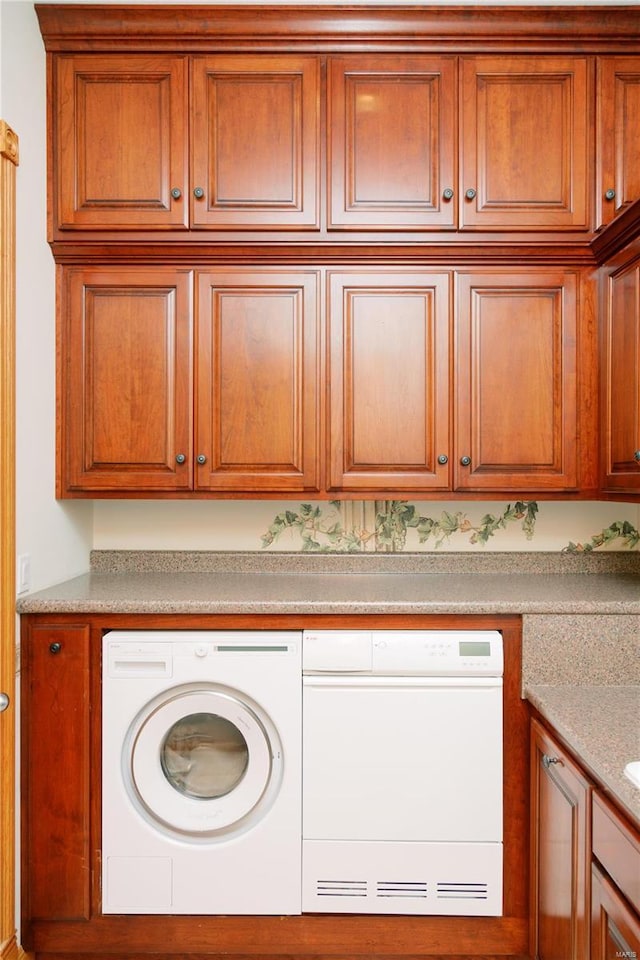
x,y
618,134
560,809
525,143
56,764
621,362
615,931
516,388
391,128
255,142
257,381
389,356
126,380
120,142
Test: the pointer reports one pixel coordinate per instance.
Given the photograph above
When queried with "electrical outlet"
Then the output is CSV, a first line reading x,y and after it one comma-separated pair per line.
x,y
23,574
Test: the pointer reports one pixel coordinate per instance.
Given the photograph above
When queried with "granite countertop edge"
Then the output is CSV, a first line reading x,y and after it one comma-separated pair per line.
x,y
600,726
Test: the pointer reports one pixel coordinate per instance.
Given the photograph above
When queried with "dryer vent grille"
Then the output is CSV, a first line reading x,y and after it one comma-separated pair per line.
x,y
341,888
462,891
401,888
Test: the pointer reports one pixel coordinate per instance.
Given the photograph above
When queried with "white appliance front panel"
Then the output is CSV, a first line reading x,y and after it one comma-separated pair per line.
x,y
402,758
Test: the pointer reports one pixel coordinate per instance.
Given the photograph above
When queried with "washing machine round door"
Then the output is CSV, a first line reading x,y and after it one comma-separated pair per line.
x,y
202,762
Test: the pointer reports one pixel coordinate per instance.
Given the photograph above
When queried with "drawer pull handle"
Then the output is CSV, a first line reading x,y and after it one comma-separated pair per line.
x,y
547,761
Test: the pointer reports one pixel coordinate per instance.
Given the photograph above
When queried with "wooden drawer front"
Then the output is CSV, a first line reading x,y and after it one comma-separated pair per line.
x,y
617,846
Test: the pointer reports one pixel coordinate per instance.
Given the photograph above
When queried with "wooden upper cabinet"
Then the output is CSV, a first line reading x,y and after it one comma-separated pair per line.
x,y
621,380
516,381
120,139
255,146
388,347
618,138
257,391
525,143
391,142
125,385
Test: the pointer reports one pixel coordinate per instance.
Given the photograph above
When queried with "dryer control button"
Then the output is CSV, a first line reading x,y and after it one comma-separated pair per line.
x,y
201,650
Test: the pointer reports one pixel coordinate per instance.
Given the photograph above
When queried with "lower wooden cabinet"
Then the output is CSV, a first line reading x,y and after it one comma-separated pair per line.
x,y
585,863
560,857
615,928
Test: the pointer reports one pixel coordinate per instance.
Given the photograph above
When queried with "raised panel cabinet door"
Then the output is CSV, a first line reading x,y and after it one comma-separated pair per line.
x,y
257,388
126,380
560,852
255,142
621,395
615,927
391,136
388,344
618,135
516,400
525,143
120,142
56,743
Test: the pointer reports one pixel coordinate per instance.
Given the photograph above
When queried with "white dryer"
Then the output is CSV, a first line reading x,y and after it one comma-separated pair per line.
x,y
201,772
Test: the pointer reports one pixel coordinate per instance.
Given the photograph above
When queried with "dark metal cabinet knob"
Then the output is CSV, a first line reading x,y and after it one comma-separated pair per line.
x,y
465,461
198,193
470,194
4,702
176,193
442,459
548,761
447,194
610,194
180,458
636,456
55,647
201,458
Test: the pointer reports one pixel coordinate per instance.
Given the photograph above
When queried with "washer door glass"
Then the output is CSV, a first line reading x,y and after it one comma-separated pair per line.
x,y
204,756
202,761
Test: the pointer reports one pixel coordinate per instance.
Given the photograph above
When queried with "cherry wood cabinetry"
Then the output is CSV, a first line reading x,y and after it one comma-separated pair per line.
x,y
560,846
119,142
618,136
389,335
255,142
516,417
621,364
257,393
392,142
525,143
615,897
128,412
125,344
57,717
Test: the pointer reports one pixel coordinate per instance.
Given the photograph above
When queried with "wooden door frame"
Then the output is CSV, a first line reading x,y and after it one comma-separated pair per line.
x,y
8,162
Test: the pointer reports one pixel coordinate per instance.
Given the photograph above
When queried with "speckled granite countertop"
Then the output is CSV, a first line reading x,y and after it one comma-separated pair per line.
x,y
602,727
166,582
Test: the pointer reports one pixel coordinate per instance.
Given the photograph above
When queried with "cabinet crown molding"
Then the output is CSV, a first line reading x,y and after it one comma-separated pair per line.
x,y
74,27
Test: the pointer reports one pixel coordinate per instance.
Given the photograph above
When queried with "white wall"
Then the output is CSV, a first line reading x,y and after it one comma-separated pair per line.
x,y
58,536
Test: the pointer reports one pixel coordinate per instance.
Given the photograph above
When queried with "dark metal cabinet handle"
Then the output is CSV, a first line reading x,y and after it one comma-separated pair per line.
x,y
465,461
447,194
180,458
610,194
201,458
547,761
470,194
198,193
176,193
55,647
636,456
442,459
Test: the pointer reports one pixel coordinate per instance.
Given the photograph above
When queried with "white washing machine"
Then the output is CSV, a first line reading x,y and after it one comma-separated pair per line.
x,y
201,772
